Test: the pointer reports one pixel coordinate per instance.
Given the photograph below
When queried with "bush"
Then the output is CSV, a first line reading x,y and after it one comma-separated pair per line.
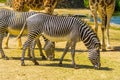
x,y
117,6
86,3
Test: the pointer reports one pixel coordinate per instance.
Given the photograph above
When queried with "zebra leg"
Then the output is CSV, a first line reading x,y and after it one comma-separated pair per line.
x,y
64,53
32,46
1,50
26,44
29,54
73,54
6,41
23,53
40,49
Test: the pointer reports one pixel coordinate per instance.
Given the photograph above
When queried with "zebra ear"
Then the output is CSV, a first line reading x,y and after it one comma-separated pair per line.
x,y
97,48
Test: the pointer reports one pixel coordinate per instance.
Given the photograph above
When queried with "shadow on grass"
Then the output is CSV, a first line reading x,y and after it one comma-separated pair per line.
x,y
116,48
38,59
64,65
79,66
62,49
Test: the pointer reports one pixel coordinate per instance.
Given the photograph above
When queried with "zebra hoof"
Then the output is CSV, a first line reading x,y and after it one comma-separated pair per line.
x,y
76,67
22,64
103,49
29,56
36,63
5,57
60,64
109,47
44,58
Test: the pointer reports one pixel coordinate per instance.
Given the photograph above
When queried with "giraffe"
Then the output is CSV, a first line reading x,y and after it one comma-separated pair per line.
x,y
105,9
26,5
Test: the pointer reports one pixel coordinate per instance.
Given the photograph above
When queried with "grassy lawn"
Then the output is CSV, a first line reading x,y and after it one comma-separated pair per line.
x,y
49,70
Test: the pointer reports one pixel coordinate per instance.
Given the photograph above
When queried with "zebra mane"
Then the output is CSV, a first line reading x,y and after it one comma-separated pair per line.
x,y
86,30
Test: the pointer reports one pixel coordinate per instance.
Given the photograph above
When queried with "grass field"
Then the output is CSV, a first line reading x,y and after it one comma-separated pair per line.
x,y
49,70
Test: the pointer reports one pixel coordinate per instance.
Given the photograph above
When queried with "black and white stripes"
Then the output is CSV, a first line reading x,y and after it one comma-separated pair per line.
x,y
56,28
12,22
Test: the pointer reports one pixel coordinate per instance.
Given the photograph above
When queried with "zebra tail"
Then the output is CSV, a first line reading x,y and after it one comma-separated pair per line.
x,y
22,30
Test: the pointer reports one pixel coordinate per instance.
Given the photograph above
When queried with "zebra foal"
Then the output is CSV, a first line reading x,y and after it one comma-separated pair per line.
x,y
56,29
12,22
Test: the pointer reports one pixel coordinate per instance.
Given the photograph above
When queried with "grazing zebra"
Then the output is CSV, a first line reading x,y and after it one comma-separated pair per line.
x,y
56,29
12,22
105,9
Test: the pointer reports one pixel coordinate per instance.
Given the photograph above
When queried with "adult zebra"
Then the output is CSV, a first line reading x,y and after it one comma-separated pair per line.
x,y
57,28
12,22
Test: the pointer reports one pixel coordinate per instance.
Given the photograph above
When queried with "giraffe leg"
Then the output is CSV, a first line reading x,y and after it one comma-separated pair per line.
x,y
109,10
6,41
103,28
95,21
108,36
93,8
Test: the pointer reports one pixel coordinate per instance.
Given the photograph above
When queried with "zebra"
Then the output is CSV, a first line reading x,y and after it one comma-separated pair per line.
x,y
12,22
58,28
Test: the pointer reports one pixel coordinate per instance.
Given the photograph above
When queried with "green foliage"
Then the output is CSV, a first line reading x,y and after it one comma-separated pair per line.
x,y
117,6
86,3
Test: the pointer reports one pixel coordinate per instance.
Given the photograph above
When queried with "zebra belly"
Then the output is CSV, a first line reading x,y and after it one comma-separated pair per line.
x,y
58,38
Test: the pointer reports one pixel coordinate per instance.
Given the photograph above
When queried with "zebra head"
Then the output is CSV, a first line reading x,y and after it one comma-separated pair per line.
x,y
94,57
49,50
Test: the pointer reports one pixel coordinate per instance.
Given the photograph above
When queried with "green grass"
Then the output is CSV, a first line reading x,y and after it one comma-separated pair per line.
x,y
49,70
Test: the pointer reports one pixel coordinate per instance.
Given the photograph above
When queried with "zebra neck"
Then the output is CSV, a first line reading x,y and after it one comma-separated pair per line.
x,y
88,36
